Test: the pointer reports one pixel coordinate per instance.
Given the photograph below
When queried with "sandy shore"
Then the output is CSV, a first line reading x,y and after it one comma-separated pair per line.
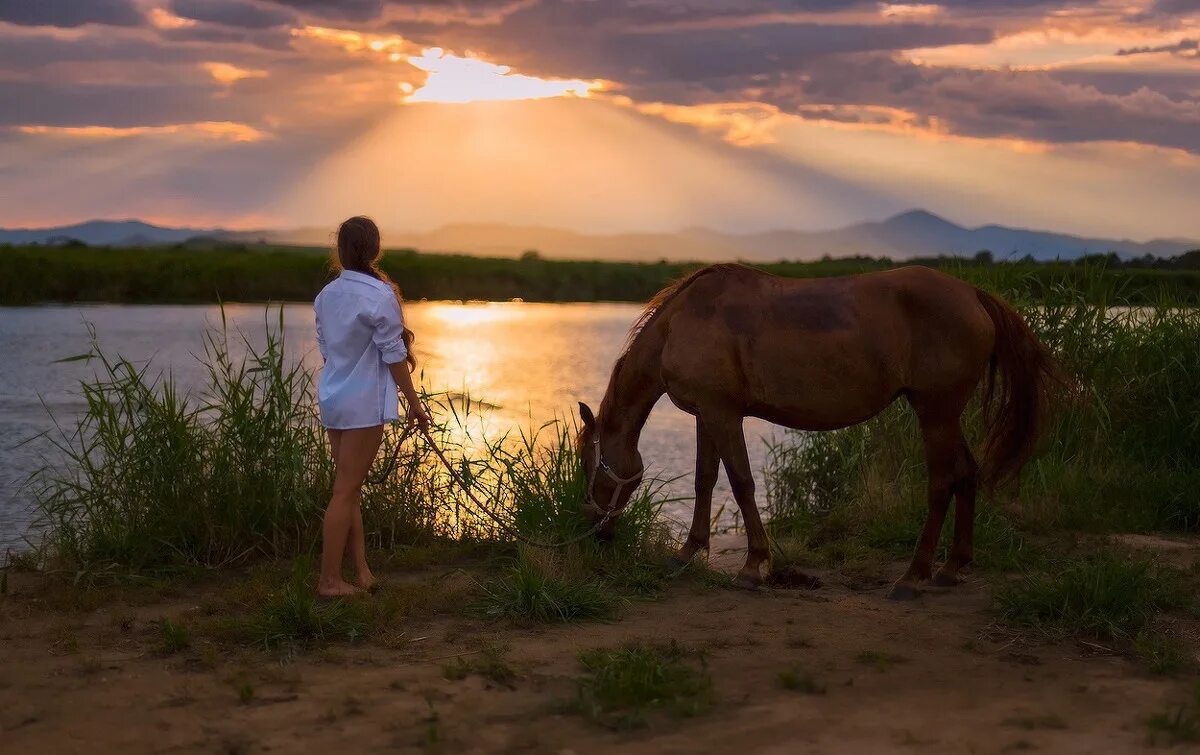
x,y
933,676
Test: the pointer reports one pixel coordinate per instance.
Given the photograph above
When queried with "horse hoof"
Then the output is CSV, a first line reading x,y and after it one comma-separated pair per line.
x,y
942,579
675,563
903,592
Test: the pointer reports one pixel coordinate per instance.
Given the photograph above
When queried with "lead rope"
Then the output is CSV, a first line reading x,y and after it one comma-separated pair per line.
x,y
479,507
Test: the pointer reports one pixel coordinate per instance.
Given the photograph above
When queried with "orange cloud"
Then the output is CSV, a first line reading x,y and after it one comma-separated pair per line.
x,y
219,130
909,10
162,18
745,124
355,42
229,74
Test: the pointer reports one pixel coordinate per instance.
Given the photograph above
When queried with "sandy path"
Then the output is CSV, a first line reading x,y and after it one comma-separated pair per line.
x,y
954,684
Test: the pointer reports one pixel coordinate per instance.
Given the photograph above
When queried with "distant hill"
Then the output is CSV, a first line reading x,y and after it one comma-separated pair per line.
x,y
917,233
103,233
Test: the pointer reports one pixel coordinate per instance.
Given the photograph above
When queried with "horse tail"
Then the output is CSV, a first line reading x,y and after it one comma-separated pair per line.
x,y
1016,399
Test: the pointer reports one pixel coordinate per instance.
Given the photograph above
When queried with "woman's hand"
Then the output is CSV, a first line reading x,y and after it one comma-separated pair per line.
x,y
416,413
418,416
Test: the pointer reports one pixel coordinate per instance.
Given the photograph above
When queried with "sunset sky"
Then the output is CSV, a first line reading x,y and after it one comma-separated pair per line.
x,y
602,115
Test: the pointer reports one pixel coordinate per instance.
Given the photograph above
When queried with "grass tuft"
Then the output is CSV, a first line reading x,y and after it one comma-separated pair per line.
x,y
623,686
529,591
799,680
879,660
1162,651
293,616
488,663
1106,595
173,637
1179,724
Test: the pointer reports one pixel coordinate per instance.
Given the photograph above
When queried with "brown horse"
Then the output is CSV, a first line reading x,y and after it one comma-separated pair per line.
x,y
730,342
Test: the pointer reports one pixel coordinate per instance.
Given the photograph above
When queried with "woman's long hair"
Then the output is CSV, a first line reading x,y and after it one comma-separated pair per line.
x,y
358,249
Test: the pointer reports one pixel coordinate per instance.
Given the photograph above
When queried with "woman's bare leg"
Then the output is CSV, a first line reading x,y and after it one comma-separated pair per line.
x,y
356,542
358,548
354,451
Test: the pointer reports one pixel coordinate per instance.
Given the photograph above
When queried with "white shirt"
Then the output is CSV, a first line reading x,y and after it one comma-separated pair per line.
x,y
360,331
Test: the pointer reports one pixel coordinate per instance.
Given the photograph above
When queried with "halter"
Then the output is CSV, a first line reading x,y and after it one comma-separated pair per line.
x,y
599,465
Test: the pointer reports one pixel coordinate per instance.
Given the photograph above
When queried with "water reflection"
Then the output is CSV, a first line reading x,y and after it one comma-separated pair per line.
x,y
531,362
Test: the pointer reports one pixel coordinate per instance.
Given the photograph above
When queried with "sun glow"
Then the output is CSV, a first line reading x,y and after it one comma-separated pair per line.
x,y
456,79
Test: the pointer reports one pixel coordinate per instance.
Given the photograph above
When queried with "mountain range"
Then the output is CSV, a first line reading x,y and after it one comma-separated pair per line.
x,y
917,233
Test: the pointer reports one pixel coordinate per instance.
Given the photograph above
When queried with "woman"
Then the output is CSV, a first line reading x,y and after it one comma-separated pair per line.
x,y
367,353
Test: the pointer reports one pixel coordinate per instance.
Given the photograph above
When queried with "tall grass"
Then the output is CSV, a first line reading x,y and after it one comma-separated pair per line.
x,y
154,478
1106,595
1121,453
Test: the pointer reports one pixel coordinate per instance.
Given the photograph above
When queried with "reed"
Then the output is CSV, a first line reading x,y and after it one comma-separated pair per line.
x,y
1120,454
152,478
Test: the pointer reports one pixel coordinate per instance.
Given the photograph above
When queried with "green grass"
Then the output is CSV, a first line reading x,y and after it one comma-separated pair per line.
x,y
1118,455
1104,595
796,679
173,637
155,480
623,686
879,660
488,663
529,591
1163,652
292,616
1179,724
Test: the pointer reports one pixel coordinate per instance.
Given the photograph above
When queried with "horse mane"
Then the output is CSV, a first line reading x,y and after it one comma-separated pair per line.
x,y
666,295
654,308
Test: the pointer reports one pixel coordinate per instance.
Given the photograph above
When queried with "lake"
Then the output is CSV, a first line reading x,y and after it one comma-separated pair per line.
x,y
533,361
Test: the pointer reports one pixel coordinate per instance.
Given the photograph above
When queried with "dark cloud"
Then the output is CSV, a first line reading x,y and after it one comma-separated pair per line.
x,y
1187,47
627,42
117,105
1177,6
1030,105
27,54
239,13
349,10
70,13
848,68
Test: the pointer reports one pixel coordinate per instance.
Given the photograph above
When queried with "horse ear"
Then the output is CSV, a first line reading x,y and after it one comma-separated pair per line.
x,y
585,414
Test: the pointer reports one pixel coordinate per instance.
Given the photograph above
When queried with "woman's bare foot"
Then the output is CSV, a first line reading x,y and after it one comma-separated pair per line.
x,y
336,589
366,580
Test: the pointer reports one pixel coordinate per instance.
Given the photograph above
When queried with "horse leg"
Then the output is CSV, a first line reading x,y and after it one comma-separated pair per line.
x,y
962,551
942,438
730,442
707,464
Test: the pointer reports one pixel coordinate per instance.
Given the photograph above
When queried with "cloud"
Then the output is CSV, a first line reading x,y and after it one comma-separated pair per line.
x,y
1184,47
1032,105
349,10
1178,7
219,130
638,43
238,13
70,13
229,74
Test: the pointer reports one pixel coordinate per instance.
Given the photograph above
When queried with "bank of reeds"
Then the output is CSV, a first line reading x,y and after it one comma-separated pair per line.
x,y
1120,455
152,478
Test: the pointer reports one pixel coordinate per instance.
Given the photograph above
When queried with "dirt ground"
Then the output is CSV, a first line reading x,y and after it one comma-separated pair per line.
x,y
932,676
